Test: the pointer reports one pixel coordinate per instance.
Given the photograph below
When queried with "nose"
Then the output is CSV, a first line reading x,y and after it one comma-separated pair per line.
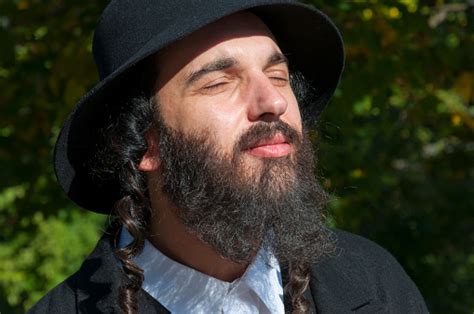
x,y
266,101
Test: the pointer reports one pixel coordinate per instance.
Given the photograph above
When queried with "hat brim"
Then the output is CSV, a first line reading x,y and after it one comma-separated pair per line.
x,y
308,37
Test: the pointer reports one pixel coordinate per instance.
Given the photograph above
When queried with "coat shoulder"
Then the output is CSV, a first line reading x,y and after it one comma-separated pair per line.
x,y
365,251
61,299
361,274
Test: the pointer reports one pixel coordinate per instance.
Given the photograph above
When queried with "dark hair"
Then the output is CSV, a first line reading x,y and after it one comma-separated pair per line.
x,y
122,146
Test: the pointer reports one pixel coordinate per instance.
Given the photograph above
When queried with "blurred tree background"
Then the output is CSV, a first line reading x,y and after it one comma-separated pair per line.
x,y
396,144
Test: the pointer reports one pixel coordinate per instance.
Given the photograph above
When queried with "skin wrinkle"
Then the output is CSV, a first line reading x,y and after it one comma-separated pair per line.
x,y
226,63
181,58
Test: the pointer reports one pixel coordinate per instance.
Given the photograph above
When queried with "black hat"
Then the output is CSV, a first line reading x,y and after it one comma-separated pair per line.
x,y
131,30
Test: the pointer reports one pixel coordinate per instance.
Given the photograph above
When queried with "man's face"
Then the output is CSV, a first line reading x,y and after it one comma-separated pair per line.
x,y
234,160
224,79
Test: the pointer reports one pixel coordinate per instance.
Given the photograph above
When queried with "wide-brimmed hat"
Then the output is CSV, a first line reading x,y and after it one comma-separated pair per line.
x,y
131,30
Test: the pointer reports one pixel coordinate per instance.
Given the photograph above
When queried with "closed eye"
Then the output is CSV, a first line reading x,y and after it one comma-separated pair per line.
x,y
215,87
279,80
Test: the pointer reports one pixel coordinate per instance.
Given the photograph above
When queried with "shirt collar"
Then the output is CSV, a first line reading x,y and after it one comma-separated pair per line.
x,y
183,289
263,276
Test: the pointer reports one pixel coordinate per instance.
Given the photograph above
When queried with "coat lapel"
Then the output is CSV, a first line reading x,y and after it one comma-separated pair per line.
x,y
98,282
337,285
337,289
341,283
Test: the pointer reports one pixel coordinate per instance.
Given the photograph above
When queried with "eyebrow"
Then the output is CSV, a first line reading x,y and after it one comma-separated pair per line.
x,y
277,58
226,63
217,65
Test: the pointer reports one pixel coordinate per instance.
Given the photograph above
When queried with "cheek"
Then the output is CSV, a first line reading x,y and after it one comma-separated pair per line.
x,y
221,122
293,114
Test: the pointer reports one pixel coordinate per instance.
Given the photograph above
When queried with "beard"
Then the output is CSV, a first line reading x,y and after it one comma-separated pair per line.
x,y
237,206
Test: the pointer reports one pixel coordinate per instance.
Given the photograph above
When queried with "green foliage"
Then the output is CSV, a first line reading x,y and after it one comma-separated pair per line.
x,y
45,67
396,144
32,263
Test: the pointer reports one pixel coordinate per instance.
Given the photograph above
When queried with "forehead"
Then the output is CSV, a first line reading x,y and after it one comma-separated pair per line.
x,y
213,41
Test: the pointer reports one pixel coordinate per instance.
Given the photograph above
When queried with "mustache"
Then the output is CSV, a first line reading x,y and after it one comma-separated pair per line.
x,y
265,131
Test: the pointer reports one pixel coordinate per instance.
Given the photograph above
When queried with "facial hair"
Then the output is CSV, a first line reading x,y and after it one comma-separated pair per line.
x,y
237,207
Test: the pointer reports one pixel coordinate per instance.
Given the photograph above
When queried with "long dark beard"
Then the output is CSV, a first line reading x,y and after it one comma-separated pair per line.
x,y
235,207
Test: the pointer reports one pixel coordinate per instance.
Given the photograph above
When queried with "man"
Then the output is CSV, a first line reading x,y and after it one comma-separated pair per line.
x,y
196,140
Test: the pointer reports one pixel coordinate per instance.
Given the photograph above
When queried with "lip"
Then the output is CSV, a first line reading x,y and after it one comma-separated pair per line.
x,y
274,147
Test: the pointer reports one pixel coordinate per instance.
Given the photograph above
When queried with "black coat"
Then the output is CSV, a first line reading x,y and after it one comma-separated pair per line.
x,y
361,278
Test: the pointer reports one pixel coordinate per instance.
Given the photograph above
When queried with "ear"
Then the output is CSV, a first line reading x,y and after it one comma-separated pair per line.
x,y
151,159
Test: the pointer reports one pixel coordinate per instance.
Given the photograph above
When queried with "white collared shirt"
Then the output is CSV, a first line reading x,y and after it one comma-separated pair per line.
x,y
182,289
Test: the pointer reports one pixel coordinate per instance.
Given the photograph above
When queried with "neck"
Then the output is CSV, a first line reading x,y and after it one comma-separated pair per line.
x,y
168,234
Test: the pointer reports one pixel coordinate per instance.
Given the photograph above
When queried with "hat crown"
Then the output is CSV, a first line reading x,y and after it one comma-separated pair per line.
x,y
126,26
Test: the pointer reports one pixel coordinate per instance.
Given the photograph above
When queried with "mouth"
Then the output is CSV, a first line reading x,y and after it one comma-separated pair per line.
x,y
274,147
